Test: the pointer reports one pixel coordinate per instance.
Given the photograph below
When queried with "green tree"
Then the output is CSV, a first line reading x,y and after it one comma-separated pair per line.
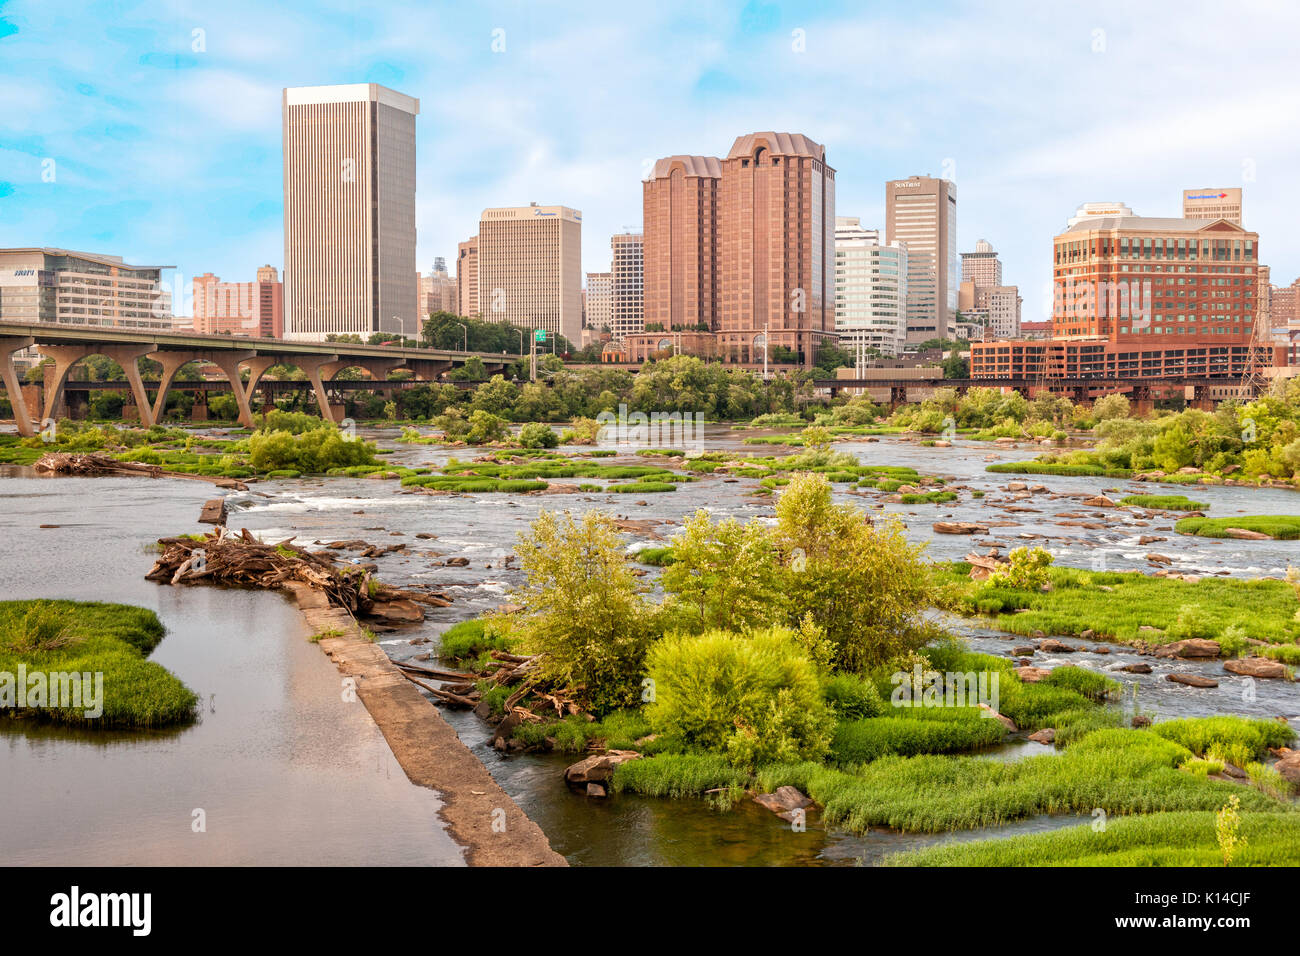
x,y
725,573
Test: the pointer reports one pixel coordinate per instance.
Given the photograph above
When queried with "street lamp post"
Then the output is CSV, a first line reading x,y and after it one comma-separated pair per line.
x,y
465,336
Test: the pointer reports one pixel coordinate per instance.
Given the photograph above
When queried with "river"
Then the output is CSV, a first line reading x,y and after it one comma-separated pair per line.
x,y
287,772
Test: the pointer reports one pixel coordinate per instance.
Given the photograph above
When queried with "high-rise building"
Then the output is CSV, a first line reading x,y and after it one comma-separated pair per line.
x,y
1213,204
921,212
680,218
776,248
240,308
82,288
1142,296
599,313
530,268
627,306
1003,307
982,267
349,211
437,290
467,277
870,290
1285,305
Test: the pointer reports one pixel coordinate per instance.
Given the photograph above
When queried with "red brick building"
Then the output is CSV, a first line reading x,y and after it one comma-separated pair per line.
x,y
1144,297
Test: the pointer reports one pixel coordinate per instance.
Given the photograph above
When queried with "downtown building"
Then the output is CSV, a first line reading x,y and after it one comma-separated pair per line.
x,y
1213,204
1142,297
740,251
598,302
240,308
349,212
530,268
438,291
627,289
870,291
467,278
921,213
60,286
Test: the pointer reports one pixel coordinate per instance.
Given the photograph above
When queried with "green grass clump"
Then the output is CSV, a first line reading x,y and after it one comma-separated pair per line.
x,y
1115,605
1281,527
114,640
1200,735
641,487
920,730
1057,468
1184,838
1165,502
677,775
656,557
852,697
452,483
468,640
1090,684
929,498
1120,771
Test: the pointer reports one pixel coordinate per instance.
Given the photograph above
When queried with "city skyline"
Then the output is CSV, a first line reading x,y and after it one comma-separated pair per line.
x,y
162,143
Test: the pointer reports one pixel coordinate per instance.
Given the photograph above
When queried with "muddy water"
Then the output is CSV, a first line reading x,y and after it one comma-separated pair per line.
x,y
483,529
284,771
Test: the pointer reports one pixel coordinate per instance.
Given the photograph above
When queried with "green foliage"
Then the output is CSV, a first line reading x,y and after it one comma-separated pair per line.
x,y
1026,569
915,730
584,611
67,637
470,639
677,775
537,435
1202,734
725,573
852,697
754,697
1281,527
1165,502
863,585
311,451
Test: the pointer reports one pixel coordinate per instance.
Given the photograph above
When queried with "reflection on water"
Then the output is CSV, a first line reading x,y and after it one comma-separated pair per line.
x,y
295,775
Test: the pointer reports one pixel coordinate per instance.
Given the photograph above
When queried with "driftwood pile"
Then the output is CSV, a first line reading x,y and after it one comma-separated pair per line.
x,y
240,560
96,465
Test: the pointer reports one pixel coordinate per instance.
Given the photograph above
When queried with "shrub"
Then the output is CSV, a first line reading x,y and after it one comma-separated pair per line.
x,y
584,609
852,697
725,572
755,697
1027,570
538,435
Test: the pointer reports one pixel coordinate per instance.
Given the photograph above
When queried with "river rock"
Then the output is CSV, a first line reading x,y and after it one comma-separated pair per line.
x,y
1256,667
1193,680
1138,668
1053,646
400,611
1045,736
596,790
599,767
1289,766
1195,648
1160,559
1140,720
1017,486
1032,675
1023,650
1099,501
960,527
456,562
1006,722
783,801
1245,535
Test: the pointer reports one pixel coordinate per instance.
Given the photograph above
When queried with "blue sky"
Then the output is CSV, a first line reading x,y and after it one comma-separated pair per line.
x,y
168,155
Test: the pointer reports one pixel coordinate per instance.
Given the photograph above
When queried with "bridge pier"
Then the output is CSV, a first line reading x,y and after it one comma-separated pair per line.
x,y
127,356
9,344
428,370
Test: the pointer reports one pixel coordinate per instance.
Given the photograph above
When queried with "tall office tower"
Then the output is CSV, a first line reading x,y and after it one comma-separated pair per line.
x,y
1213,204
530,268
680,219
627,255
981,267
437,290
870,290
467,277
599,312
776,248
240,308
922,213
349,211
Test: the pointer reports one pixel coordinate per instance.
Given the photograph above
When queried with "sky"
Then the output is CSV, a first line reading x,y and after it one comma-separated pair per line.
x,y
152,130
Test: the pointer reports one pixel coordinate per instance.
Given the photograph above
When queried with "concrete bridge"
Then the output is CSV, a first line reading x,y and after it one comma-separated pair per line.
x,y
235,356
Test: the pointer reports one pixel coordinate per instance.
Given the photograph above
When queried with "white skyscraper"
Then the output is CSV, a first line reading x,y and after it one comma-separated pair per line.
x,y
870,289
349,211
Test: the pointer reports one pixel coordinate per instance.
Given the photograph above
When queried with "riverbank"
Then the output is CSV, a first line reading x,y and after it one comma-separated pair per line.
x,y
479,814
